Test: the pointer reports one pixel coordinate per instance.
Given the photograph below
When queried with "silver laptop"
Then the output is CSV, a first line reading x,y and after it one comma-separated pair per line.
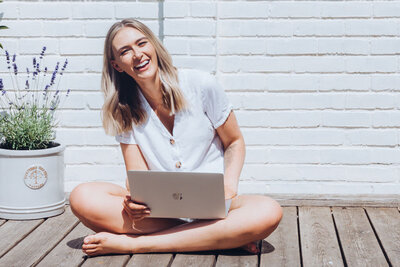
x,y
180,194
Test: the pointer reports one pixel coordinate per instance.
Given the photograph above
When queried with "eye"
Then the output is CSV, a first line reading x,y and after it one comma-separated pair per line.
x,y
123,52
142,43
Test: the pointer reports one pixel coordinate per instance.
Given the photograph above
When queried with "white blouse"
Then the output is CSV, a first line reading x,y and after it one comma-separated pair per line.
x,y
194,144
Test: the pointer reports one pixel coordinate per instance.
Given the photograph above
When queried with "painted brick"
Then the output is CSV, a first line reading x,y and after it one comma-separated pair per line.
x,y
84,63
340,82
74,101
82,81
23,28
266,64
136,10
343,46
58,29
323,64
372,137
176,9
301,155
80,118
179,27
374,64
346,119
285,46
82,46
87,136
205,47
94,155
99,173
252,46
312,101
371,27
177,45
242,10
95,100
12,10
346,9
97,28
386,9
256,155
313,27
35,46
370,101
385,82
257,101
203,9
291,82
385,46
92,11
45,10
295,9
385,119
293,137
245,82
249,28
206,63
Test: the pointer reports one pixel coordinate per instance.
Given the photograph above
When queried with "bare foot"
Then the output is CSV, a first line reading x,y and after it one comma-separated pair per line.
x,y
251,247
108,243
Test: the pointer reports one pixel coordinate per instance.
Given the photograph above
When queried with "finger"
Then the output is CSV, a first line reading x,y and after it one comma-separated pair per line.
x,y
135,206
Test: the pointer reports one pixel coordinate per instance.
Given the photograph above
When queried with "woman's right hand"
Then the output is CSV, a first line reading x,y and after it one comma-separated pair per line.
x,y
136,211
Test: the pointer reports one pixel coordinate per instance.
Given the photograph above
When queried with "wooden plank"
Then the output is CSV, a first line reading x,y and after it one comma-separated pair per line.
x,y
200,259
319,245
38,243
359,244
281,248
236,260
386,222
13,232
69,251
150,260
107,260
356,200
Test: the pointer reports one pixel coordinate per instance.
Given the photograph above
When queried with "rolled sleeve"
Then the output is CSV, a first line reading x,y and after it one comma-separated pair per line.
x,y
126,138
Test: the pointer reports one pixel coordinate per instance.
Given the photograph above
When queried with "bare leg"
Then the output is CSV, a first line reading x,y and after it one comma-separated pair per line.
x,y
250,218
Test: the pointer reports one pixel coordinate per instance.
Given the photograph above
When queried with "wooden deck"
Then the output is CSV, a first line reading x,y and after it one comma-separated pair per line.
x,y
307,236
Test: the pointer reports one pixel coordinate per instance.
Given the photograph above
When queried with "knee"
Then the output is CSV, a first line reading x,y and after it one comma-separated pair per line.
x,y
269,216
77,198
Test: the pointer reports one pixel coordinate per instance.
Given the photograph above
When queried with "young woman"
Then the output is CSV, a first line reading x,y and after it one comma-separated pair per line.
x,y
171,120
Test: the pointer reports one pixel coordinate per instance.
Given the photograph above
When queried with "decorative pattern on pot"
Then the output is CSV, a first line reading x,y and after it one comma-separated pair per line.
x,y
35,177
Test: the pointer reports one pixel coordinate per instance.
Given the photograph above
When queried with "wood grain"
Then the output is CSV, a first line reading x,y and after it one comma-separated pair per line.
x,y
107,261
69,251
150,260
386,222
192,260
358,240
319,244
43,239
281,248
14,231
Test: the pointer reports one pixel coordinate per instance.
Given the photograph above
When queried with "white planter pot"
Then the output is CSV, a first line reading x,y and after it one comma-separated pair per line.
x,y
31,183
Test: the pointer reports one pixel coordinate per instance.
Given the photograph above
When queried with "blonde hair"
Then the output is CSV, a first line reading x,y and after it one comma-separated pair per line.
x,y
122,105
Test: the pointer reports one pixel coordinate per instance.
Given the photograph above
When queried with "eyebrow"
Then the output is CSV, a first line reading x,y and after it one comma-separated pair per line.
x,y
137,41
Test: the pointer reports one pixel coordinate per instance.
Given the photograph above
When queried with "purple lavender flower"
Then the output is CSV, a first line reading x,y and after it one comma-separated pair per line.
x,y
1,84
14,57
8,57
34,62
3,92
42,53
68,91
27,84
15,69
27,71
46,88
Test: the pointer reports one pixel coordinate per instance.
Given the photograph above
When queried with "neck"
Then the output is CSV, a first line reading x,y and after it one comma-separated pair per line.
x,y
151,90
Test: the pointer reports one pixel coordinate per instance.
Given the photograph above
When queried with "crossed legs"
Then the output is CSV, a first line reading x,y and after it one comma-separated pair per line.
x,y
99,206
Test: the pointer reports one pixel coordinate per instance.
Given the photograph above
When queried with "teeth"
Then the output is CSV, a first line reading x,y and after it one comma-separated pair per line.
x,y
141,65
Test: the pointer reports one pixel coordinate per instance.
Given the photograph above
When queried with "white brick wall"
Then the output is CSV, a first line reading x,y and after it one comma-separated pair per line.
x,y
314,84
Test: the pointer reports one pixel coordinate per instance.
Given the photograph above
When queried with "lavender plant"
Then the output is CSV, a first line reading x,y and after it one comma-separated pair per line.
x,y
27,120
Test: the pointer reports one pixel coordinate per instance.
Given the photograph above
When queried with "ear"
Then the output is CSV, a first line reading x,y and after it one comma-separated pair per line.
x,y
115,66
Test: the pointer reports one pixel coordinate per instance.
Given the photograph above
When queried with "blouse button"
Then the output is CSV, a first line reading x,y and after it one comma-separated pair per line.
x,y
172,141
178,165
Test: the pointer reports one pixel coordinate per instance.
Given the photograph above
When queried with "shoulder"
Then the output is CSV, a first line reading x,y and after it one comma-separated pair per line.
x,y
198,80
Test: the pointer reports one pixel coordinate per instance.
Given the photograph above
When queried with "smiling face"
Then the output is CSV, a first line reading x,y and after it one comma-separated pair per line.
x,y
134,54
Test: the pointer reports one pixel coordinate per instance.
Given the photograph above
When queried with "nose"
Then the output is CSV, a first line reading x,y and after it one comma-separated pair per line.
x,y
137,54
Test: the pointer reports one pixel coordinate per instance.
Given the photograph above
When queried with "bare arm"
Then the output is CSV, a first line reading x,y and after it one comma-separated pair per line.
x,y
133,158
234,154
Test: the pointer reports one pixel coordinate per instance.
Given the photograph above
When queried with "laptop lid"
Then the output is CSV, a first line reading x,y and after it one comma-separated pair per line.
x,y
179,194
